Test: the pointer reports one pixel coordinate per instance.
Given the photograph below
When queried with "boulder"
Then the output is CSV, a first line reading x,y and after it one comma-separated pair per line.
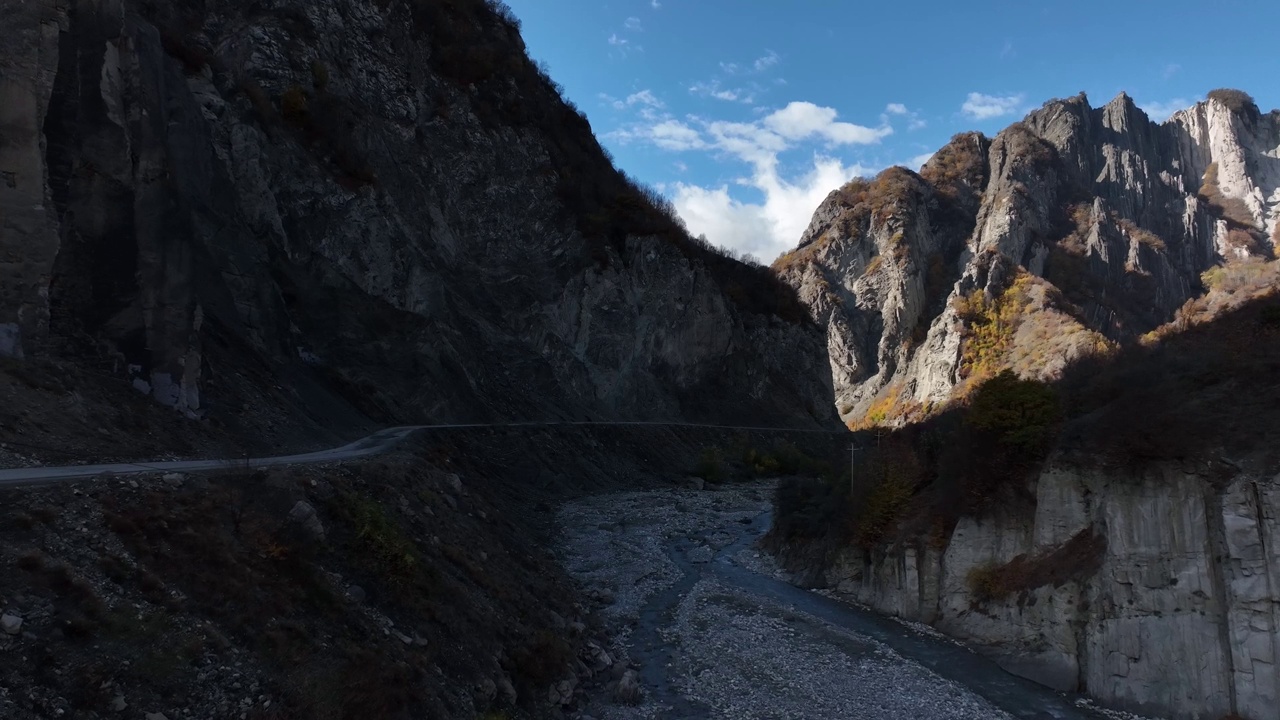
x,y
11,624
304,515
628,691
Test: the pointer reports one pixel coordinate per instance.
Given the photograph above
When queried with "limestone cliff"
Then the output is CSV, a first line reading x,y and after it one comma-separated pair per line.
x,y
1112,532
1069,232
387,198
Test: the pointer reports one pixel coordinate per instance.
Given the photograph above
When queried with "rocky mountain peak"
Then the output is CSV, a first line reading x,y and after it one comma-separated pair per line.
x,y
1099,222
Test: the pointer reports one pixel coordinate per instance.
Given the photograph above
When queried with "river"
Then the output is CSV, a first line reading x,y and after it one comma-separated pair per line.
x,y
716,632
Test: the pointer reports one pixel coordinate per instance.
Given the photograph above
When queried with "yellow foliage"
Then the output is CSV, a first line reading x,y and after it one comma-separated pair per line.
x,y
990,325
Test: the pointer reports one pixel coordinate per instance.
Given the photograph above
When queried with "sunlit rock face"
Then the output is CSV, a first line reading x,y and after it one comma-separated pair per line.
x,y
1112,217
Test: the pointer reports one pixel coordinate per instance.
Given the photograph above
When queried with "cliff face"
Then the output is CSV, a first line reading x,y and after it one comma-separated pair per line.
x,y
1111,532
1073,230
389,197
1174,613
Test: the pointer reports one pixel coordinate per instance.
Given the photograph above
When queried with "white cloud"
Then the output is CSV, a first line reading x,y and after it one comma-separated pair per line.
x,y
644,97
984,107
767,61
713,89
656,5
918,161
730,68
1160,111
1170,70
675,135
800,120
617,41
772,226
1008,51
901,110
633,24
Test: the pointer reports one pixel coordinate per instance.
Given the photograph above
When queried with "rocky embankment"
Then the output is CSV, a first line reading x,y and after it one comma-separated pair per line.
x,y
1153,590
702,626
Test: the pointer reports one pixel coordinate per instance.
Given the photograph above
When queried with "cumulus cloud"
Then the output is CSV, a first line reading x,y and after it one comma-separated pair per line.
x,y
615,40
1160,111
895,109
800,120
771,226
984,107
774,222
633,24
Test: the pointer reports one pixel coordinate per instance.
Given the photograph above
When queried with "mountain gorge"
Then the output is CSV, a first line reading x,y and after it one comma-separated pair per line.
x,y
230,229
1068,234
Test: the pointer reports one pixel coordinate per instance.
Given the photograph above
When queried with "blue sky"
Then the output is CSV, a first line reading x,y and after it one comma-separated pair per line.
x,y
748,112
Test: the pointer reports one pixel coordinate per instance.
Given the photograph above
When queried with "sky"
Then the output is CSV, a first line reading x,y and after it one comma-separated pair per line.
x,y
747,113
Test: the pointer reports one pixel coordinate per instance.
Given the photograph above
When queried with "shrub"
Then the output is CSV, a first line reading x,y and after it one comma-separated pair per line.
x,y
1140,234
783,458
260,101
1077,558
294,106
710,466
319,75
885,409
1233,210
989,327
1237,275
1020,414
960,164
1242,240
811,509
889,477
193,57
1235,100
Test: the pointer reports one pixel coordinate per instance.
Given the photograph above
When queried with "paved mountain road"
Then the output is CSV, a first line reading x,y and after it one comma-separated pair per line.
x,y
374,444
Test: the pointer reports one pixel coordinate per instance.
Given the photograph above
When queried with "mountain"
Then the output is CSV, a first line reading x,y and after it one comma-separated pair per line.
x,y
1070,233
385,203
1071,332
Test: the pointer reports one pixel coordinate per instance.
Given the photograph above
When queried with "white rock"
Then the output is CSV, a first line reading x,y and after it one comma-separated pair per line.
x,y
11,624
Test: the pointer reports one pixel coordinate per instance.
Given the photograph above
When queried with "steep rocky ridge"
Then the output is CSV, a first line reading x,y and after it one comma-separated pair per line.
x,y
1100,221
1112,532
385,198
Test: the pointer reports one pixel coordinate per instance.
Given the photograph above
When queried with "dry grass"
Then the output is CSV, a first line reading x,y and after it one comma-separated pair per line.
x,y
1078,558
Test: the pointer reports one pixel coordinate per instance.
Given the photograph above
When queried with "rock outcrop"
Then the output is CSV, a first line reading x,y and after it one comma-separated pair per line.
x,y
386,199
1111,218
1172,612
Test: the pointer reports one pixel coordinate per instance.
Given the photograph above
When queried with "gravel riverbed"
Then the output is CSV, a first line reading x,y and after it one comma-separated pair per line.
x,y
707,647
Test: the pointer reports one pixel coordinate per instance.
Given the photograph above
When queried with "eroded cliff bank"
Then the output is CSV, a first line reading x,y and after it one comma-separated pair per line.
x,y
1154,592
